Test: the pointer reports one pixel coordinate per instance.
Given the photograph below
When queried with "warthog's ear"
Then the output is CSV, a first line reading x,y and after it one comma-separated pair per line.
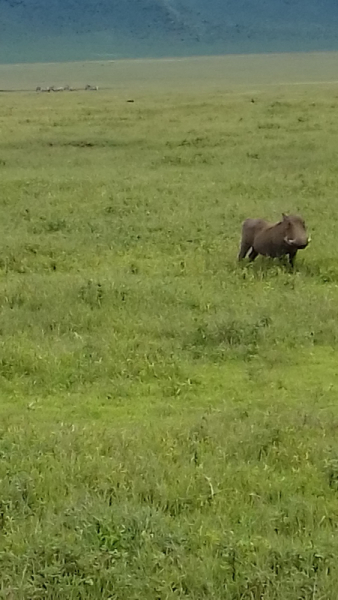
x,y
284,216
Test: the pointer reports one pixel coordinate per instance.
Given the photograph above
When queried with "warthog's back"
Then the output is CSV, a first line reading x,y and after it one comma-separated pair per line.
x,y
253,227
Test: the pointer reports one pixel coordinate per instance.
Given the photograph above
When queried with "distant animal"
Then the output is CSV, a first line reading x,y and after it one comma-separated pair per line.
x,y
92,88
275,240
40,89
57,89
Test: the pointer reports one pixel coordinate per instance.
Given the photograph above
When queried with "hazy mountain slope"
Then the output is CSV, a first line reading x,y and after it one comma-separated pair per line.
x,y
80,29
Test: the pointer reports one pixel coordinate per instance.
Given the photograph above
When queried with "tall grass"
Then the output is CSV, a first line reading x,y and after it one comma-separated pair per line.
x,y
168,417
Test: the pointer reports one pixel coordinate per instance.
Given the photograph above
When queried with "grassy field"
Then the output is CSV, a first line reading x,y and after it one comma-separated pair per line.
x,y
168,418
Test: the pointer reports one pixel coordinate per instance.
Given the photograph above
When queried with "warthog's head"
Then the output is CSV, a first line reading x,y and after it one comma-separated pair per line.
x,y
295,232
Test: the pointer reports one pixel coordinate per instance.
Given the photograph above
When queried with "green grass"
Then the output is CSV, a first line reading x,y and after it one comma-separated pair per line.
x,y
168,417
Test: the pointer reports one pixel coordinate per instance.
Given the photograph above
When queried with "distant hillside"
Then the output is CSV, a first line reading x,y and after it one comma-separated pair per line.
x,y
52,30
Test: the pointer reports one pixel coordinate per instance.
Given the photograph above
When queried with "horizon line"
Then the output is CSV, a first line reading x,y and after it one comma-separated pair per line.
x,y
171,58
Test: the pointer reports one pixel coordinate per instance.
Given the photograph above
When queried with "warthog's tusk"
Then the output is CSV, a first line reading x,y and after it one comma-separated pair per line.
x,y
291,242
309,240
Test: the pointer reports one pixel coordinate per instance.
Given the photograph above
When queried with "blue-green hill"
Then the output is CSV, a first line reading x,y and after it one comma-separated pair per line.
x,y
45,30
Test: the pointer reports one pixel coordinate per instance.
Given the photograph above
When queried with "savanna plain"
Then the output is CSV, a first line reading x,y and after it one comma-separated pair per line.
x,y
169,417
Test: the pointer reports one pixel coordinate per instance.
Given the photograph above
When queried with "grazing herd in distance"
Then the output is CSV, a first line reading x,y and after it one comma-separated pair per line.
x,y
66,88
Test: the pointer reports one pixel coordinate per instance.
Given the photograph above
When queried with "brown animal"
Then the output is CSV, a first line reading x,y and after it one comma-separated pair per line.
x,y
283,238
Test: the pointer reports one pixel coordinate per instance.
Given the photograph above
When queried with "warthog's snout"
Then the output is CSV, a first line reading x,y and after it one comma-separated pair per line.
x,y
296,243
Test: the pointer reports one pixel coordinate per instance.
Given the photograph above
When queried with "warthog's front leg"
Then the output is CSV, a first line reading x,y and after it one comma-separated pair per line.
x,y
292,256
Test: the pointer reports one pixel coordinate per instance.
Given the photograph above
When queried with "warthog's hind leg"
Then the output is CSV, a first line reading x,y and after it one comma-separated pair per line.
x,y
253,254
244,249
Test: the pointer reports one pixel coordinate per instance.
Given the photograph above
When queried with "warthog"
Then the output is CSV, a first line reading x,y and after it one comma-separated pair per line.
x,y
283,238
